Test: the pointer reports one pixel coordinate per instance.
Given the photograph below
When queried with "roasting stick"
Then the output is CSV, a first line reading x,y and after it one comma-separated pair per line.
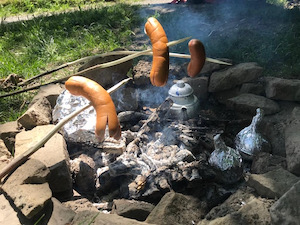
x,y
104,65
23,157
147,52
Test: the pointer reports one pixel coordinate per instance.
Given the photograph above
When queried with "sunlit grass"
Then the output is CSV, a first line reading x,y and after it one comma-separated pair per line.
x,y
31,47
19,7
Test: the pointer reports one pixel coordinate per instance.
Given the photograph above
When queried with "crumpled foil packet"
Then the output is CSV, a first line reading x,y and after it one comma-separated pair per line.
x,y
249,141
81,128
226,161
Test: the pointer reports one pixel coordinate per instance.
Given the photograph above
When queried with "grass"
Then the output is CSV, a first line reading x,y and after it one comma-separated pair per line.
x,y
17,7
30,47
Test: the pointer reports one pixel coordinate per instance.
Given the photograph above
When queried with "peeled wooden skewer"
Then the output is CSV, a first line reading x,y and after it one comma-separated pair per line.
x,y
24,156
103,65
133,54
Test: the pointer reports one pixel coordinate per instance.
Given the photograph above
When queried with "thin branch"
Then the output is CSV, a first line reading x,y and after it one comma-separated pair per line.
x,y
103,65
24,156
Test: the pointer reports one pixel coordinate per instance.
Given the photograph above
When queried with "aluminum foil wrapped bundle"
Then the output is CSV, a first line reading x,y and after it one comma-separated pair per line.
x,y
249,141
226,161
81,128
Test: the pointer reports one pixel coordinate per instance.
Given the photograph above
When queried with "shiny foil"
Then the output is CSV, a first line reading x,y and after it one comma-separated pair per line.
x,y
248,141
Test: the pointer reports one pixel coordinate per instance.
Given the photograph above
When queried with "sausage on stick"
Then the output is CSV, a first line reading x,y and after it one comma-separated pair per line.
x,y
160,65
198,57
101,101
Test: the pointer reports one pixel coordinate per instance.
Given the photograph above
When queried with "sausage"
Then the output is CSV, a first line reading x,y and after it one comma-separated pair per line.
x,y
101,101
198,57
160,65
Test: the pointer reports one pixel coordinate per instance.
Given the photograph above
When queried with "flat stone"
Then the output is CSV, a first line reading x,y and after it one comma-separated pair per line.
x,y
106,77
7,214
272,184
50,92
253,88
132,209
287,209
292,142
283,89
54,155
248,103
199,85
236,201
264,162
90,217
188,210
210,67
59,214
5,155
38,114
233,76
141,73
80,204
84,173
273,127
254,212
28,188
8,132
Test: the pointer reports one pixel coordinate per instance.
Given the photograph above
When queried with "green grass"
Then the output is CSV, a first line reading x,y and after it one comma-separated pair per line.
x,y
30,47
17,7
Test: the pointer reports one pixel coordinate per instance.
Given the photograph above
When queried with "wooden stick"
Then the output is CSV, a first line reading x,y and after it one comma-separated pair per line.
x,y
103,65
24,156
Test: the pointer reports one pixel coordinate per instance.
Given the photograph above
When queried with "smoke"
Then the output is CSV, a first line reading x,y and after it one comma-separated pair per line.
x,y
244,31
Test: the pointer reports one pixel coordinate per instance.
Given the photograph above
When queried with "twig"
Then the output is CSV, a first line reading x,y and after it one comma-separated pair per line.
x,y
24,156
104,65
177,55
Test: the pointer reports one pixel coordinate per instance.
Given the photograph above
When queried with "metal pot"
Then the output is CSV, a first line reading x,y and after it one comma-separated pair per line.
x,y
185,103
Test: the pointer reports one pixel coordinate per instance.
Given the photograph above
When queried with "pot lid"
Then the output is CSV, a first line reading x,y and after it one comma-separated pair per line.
x,y
181,89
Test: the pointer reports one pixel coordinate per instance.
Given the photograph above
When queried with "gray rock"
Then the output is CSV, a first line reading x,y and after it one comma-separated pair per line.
x,y
199,85
90,217
248,103
79,204
83,173
5,155
264,162
7,214
253,88
125,99
132,209
58,214
210,67
235,75
283,89
236,201
273,127
272,184
28,188
188,210
38,114
8,133
223,96
54,155
107,76
292,143
255,211
141,73
287,209
50,92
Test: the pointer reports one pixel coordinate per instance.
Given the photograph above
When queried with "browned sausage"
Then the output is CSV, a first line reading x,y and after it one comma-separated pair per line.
x,y
101,101
160,65
198,57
